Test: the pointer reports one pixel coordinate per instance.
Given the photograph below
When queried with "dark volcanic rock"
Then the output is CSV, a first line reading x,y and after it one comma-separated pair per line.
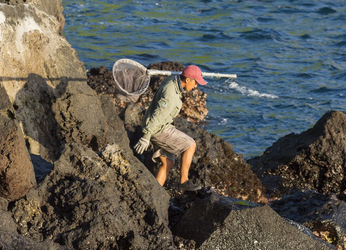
x,y
96,202
9,241
6,222
227,223
314,159
216,164
17,174
323,214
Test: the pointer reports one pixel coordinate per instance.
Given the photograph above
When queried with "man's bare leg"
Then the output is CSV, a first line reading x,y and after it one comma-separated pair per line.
x,y
186,160
162,173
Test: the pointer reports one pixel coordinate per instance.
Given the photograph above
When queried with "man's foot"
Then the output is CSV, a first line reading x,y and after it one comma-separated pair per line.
x,y
189,186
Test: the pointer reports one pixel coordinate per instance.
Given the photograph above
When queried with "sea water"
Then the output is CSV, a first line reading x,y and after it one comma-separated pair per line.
x,y
289,56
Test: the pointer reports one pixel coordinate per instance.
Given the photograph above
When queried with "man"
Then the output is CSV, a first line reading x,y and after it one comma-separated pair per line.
x,y
157,127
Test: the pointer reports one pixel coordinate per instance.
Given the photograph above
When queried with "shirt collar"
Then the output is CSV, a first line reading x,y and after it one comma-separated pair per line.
x,y
182,90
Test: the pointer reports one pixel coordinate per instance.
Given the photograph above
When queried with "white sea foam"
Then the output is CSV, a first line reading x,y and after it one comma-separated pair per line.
x,y
250,92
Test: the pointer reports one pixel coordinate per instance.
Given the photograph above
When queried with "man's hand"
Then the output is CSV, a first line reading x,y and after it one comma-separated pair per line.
x,y
142,145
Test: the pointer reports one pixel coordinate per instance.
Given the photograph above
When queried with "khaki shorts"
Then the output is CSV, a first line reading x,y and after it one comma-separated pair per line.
x,y
171,143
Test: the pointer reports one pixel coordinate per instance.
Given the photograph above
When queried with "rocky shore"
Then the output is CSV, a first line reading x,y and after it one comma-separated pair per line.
x,y
69,178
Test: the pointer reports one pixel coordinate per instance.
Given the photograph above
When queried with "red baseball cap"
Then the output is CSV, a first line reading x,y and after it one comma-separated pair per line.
x,y
194,72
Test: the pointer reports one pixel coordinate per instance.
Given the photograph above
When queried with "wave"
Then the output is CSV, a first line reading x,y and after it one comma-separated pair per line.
x,y
250,92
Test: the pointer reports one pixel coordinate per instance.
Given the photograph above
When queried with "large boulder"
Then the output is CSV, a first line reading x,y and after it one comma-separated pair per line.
x,y
227,223
36,66
47,85
17,174
215,164
314,159
91,201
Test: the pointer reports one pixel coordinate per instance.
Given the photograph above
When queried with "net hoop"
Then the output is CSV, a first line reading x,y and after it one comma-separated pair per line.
x,y
128,91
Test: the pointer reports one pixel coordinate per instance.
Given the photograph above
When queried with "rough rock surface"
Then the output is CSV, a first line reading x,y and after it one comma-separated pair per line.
x,y
37,65
323,214
17,174
102,81
9,241
227,223
91,201
314,159
216,164
47,85
52,7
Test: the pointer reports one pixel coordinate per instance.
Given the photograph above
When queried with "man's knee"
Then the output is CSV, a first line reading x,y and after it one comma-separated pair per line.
x,y
194,145
192,148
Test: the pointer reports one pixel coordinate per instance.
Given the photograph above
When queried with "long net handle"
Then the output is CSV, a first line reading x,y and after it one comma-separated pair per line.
x,y
168,73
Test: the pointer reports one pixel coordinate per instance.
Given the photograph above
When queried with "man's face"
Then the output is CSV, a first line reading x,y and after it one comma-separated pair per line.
x,y
190,84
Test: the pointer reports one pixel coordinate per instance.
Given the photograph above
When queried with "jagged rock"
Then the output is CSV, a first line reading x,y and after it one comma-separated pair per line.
x,y
3,204
47,85
323,214
314,159
6,222
216,164
227,223
52,7
17,174
11,240
91,201
37,65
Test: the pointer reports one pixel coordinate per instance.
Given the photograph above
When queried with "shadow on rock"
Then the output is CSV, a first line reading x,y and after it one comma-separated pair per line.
x,y
228,223
323,214
33,106
91,201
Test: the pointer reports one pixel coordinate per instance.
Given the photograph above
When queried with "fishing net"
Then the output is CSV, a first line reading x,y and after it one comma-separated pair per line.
x,y
131,79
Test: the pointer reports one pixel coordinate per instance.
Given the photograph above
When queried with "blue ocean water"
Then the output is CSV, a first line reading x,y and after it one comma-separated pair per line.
x,y
289,56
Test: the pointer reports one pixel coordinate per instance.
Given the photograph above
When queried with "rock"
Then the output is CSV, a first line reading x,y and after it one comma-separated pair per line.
x,y
322,214
216,164
6,222
227,223
80,117
314,159
42,66
91,201
10,240
52,99
17,174
3,204
53,8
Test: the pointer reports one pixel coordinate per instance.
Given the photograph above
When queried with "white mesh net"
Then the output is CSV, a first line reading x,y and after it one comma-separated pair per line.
x,y
131,79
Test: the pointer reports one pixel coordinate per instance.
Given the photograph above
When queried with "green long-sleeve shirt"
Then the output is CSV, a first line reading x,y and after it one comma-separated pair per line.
x,y
164,107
